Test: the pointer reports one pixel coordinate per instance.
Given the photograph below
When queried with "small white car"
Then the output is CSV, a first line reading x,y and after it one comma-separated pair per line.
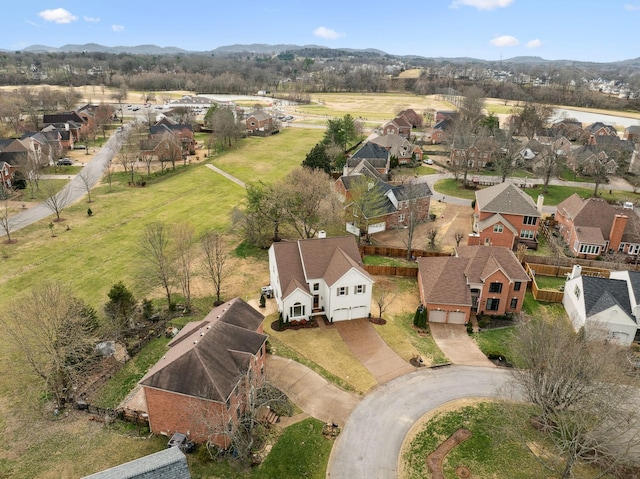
x,y
427,161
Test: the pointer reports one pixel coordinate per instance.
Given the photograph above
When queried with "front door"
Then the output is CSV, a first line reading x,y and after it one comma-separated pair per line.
x,y
316,301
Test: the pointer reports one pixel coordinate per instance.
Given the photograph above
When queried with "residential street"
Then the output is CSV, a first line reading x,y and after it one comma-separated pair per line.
x,y
370,442
73,191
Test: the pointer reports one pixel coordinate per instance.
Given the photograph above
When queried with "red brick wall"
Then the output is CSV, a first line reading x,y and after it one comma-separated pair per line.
x,y
504,296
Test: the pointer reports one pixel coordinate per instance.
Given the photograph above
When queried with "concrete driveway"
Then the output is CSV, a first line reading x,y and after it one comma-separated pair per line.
x,y
375,355
369,445
456,344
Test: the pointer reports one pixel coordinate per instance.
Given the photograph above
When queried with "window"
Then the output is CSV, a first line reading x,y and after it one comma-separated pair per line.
x,y
589,249
634,249
530,220
492,304
514,303
360,288
316,286
296,310
497,228
517,285
495,288
527,234
576,291
343,291
401,218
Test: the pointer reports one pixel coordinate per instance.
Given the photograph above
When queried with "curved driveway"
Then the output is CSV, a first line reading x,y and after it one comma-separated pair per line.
x,y
370,443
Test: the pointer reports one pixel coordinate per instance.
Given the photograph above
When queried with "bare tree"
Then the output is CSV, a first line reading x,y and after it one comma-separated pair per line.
x,y
268,201
31,172
432,234
119,96
534,117
158,261
216,255
127,150
457,236
53,332
56,200
310,202
5,220
548,161
414,209
69,98
103,117
368,203
384,294
581,394
183,239
11,107
86,182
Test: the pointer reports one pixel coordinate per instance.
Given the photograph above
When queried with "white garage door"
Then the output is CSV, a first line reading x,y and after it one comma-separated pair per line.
x,y
437,316
456,317
358,312
340,314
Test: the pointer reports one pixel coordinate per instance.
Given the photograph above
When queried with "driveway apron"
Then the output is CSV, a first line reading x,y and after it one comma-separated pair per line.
x,y
367,345
454,341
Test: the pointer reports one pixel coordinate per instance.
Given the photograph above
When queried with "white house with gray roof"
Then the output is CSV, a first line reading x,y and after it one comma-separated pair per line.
x,y
320,276
604,307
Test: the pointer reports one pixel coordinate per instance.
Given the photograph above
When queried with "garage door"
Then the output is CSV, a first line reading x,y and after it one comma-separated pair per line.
x,y
456,317
437,316
340,314
358,312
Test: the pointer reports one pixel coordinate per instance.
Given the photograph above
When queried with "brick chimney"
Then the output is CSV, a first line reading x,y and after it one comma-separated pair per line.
x,y
617,229
592,140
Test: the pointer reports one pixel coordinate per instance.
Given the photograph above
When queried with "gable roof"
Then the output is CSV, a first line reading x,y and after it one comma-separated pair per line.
x,y
64,117
602,293
484,260
443,280
596,214
259,115
169,463
207,357
494,219
371,151
506,198
305,260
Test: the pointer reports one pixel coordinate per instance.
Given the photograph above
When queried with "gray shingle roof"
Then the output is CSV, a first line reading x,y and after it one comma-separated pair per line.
x,y
602,293
169,463
371,151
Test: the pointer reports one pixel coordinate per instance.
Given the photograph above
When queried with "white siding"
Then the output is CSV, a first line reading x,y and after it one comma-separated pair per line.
x,y
350,301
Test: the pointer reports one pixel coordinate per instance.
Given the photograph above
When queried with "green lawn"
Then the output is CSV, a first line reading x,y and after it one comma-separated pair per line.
x,y
550,282
499,446
451,187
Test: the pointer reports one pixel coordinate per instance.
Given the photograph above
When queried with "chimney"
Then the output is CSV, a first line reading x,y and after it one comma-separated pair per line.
x,y
617,230
592,140
322,234
540,203
576,271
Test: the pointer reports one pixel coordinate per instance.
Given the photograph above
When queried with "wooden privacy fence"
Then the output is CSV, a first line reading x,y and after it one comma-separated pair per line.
x,y
139,418
562,271
590,263
548,295
397,252
391,270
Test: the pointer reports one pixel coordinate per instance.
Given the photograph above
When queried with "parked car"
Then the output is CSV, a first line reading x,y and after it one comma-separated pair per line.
x,y
427,161
79,147
65,162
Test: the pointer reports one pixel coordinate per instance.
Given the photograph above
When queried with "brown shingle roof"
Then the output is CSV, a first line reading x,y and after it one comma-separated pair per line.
x,y
207,357
443,280
506,198
484,260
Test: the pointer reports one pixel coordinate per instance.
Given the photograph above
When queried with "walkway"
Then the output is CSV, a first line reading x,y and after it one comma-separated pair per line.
x,y
367,345
226,175
311,392
454,341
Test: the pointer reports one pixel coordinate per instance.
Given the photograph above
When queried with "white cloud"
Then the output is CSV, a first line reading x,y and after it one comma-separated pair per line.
x,y
482,4
505,41
630,8
91,19
534,43
58,15
327,33
117,28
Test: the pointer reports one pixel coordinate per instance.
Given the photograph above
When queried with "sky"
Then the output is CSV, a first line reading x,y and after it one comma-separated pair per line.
x,y
585,30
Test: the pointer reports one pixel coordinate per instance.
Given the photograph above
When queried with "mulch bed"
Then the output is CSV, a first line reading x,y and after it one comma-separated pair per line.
x,y
435,459
378,320
285,326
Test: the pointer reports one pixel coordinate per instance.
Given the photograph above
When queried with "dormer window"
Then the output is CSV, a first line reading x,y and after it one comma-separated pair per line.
x,y
316,286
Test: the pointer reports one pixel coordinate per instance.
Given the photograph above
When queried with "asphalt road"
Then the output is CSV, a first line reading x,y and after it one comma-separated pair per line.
x,y
370,443
73,191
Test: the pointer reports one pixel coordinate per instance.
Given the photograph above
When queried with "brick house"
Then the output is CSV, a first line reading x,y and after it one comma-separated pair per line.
x,y
377,156
434,136
412,117
259,120
478,279
504,215
476,156
632,133
199,387
593,227
399,200
399,126
399,148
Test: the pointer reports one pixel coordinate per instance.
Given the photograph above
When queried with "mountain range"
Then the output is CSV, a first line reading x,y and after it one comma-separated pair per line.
x,y
266,49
